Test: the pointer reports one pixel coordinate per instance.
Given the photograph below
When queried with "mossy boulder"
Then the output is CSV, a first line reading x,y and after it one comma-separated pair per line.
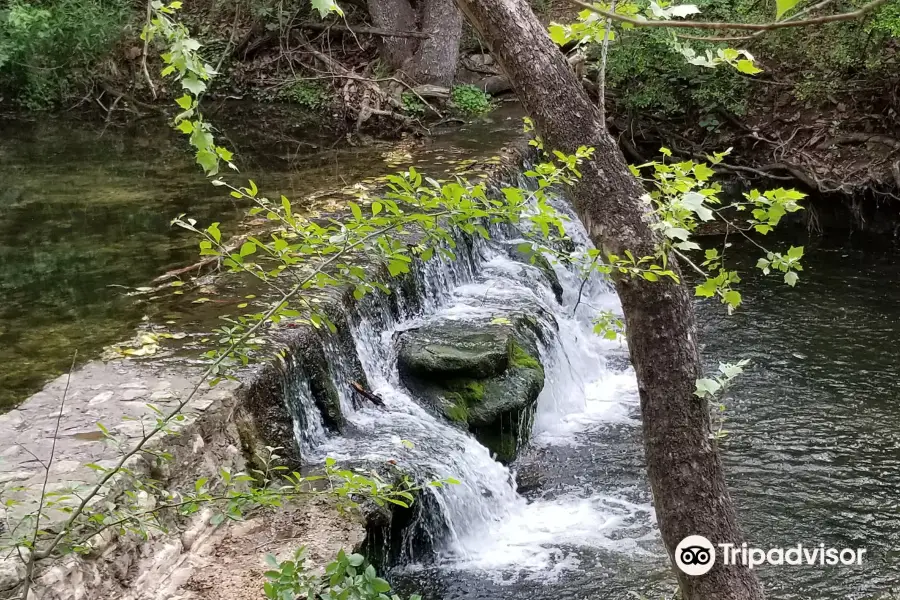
x,y
485,376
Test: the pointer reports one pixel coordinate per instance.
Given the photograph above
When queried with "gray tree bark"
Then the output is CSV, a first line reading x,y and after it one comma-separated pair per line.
x,y
435,61
396,15
684,467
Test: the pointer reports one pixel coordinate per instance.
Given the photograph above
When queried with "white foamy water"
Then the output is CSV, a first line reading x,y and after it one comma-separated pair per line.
x,y
483,523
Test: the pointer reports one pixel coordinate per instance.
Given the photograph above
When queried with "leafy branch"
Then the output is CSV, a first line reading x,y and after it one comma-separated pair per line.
x,y
774,25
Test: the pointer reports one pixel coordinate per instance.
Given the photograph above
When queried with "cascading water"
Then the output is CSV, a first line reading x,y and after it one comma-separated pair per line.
x,y
484,523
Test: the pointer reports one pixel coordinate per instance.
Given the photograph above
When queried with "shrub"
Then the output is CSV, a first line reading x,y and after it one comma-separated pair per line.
x,y
412,105
470,100
308,95
47,47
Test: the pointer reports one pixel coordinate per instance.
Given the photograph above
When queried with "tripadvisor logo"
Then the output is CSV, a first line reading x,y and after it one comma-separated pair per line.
x,y
696,555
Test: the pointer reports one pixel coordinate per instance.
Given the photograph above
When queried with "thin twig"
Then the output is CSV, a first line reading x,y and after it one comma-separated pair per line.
x,y
601,78
164,422
583,282
730,38
32,559
637,22
146,49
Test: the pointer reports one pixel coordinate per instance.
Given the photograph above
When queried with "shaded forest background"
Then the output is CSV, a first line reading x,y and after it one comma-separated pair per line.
x,y
824,111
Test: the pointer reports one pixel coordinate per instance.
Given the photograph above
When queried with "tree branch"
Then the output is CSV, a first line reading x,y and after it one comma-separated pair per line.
x,y
848,16
365,30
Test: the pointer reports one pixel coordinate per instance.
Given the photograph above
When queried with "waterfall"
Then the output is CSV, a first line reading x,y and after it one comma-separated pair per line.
x,y
484,523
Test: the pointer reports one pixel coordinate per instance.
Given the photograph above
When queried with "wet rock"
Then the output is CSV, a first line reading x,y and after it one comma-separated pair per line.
x,y
486,376
539,261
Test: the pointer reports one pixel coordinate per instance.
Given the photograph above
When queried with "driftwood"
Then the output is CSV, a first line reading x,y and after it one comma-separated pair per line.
x,y
365,394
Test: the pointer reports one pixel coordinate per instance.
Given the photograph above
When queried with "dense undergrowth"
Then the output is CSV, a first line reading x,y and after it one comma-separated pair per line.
x,y
49,48
52,52
813,63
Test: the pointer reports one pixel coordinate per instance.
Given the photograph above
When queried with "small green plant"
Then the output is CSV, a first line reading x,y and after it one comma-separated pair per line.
x,y
412,105
308,95
470,101
348,577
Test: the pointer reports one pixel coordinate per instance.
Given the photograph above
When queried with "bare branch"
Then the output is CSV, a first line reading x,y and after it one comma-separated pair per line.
x,y
601,78
730,38
144,53
33,557
365,30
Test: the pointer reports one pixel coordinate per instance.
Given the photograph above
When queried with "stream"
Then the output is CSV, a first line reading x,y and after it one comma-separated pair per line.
x,y
813,450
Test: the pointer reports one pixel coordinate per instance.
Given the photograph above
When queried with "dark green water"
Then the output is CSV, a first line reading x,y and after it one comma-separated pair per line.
x,y
85,215
814,456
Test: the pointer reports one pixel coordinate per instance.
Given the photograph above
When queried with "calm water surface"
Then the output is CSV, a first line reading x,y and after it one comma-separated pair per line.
x,y
85,216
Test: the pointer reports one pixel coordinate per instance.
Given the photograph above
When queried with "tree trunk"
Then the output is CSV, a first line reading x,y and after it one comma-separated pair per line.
x,y
684,467
396,15
435,61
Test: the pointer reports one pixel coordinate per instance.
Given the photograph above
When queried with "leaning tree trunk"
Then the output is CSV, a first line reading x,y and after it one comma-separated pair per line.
x,y
435,61
396,15
684,467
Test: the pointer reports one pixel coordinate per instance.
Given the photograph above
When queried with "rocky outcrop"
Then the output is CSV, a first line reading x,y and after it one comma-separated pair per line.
x,y
486,376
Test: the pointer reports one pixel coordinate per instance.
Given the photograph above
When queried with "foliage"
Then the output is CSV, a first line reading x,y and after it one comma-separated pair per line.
x,y
609,326
886,20
652,70
649,76
412,104
348,577
309,95
685,196
46,47
469,100
713,389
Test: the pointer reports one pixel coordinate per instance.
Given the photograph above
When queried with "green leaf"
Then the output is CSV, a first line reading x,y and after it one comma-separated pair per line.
x,y
795,252
747,66
706,289
791,278
376,208
193,85
208,160
185,102
706,387
702,172
185,127
732,298
558,34
213,231
248,248
783,6
356,560
325,7
357,213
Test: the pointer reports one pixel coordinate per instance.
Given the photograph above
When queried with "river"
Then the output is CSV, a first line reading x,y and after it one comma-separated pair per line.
x,y
813,447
